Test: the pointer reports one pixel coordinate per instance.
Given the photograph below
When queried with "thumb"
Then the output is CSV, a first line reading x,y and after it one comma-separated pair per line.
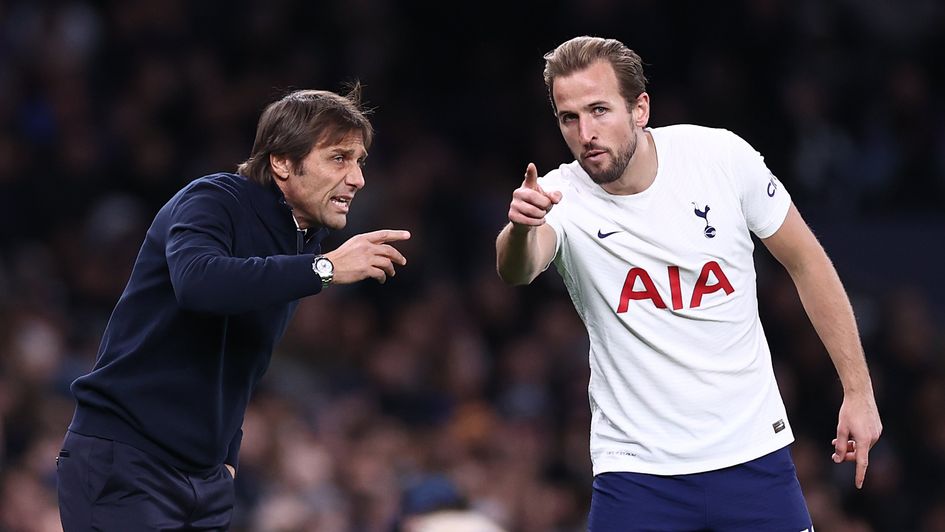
x,y
531,177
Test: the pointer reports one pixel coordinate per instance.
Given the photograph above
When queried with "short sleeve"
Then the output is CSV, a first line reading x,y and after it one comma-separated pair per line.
x,y
764,200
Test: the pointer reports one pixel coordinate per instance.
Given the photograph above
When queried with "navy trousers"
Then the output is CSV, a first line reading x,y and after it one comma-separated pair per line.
x,y
760,495
109,486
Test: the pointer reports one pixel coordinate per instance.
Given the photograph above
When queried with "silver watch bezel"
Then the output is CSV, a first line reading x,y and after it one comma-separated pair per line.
x,y
325,273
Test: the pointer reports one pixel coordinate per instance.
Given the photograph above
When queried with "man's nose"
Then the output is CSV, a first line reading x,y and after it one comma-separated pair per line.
x,y
355,177
585,130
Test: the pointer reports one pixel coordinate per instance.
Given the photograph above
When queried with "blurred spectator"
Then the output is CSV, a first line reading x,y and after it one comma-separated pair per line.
x,y
434,505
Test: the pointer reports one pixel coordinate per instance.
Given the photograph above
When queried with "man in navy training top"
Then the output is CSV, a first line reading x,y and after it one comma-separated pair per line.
x,y
155,439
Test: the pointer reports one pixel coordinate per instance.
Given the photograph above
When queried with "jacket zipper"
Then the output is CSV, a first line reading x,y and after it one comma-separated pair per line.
x,y
299,236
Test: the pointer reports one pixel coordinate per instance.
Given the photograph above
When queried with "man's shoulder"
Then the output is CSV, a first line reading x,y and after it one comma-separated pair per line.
x,y
221,186
221,189
688,132
567,175
695,143
225,181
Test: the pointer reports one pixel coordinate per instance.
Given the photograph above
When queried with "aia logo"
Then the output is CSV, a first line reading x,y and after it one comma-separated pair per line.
x,y
709,231
648,291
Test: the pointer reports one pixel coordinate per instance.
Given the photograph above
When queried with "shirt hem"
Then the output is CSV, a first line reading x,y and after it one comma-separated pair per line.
x,y
89,422
617,462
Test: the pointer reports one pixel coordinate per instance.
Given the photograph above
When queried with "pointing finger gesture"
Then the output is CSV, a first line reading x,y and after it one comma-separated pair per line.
x,y
530,203
368,255
858,428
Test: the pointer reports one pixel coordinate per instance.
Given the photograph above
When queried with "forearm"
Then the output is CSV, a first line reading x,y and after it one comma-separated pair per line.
x,y
828,307
233,451
829,310
199,234
520,255
228,285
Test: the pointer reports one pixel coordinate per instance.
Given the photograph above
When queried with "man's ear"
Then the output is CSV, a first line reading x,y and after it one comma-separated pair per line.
x,y
641,110
280,166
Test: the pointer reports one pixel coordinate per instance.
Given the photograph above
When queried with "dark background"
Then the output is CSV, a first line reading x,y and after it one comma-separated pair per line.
x,y
108,108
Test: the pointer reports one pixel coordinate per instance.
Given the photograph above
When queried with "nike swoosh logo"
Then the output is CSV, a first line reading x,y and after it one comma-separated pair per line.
x,y
605,235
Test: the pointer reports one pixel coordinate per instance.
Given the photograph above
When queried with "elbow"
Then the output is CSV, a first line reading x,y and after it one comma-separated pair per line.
x,y
808,266
516,264
206,300
195,293
190,297
514,278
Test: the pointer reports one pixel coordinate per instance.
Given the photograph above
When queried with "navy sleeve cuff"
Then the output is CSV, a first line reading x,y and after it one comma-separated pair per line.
x,y
233,452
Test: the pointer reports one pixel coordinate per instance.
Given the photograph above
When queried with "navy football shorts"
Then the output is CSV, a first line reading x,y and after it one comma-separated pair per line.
x,y
760,495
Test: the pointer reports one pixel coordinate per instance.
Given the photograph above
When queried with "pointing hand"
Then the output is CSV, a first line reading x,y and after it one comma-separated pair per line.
x,y
858,429
368,255
530,203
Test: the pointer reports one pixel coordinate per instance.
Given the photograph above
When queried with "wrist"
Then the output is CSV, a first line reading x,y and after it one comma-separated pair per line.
x,y
858,384
859,392
519,230
324,268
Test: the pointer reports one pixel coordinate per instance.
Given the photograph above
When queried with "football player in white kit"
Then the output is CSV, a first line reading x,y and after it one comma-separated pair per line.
x,y
650,228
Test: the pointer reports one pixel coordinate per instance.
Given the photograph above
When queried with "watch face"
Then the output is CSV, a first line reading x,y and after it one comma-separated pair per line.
x,y
323,266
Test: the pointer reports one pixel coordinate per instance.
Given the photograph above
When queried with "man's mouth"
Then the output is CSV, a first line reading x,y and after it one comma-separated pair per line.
x,y
342,202
594,154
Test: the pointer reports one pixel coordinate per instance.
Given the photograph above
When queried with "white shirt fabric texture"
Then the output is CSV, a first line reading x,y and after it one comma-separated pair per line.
x,y
681,378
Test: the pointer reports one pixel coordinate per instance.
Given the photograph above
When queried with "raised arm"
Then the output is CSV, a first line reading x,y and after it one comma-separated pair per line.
x,y
829,310
526,245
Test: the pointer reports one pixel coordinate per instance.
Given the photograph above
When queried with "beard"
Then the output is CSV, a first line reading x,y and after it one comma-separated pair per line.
x,y
613,171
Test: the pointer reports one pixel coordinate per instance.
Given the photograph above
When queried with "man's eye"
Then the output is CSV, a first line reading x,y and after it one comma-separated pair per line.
x,y
339,158
600,110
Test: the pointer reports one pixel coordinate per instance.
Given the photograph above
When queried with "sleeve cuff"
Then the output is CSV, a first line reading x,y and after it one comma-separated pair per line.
x,y
233,451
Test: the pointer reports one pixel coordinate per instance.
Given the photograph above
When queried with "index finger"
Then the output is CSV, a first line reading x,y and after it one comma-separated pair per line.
x,y
531,177
387,235
862,462
391,253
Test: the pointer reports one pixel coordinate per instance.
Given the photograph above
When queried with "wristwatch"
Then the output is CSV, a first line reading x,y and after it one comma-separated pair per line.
x,y
323,267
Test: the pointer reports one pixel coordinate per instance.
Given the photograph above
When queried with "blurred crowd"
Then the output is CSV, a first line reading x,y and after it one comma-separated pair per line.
x,y
444,388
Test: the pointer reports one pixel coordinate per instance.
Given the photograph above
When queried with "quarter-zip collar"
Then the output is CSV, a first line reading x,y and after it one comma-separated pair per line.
x,y
270,204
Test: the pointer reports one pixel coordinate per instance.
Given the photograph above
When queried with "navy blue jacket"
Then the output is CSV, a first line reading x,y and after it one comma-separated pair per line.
x,y
219,275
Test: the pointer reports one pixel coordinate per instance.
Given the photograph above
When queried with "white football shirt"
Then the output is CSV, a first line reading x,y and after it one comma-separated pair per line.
x,y
664,280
